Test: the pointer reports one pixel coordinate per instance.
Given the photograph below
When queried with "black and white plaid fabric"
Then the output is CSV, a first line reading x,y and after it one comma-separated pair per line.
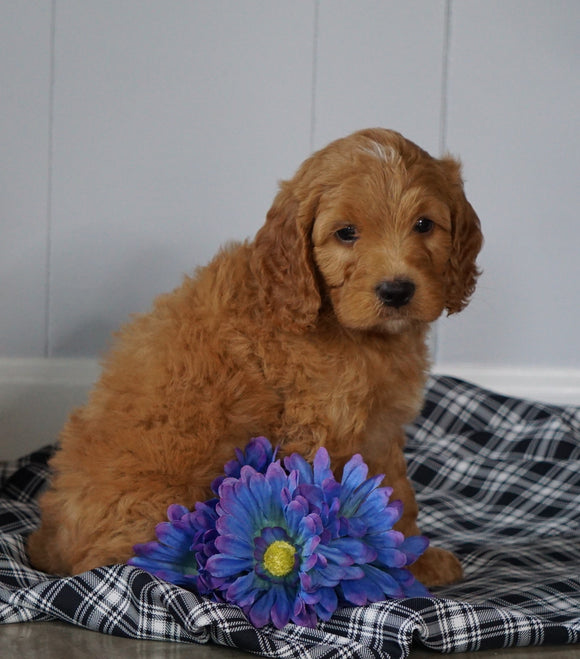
x,y
499,483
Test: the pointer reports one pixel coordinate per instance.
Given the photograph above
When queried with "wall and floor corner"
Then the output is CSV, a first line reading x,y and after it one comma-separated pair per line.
x,y
136,139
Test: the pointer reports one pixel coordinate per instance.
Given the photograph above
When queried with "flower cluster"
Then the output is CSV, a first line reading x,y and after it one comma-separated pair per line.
x,y
288,542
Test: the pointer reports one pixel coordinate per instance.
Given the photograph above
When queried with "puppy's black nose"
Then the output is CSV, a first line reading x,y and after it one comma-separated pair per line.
x,y
396,292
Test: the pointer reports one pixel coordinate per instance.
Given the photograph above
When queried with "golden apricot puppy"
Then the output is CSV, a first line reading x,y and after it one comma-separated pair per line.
x,y
312,335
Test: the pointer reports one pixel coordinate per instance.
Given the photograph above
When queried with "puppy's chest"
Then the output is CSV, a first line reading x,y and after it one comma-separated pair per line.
x,y
346,383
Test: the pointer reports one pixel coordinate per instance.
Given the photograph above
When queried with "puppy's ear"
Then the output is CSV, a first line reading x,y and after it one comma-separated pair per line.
x,y
462,272
284,265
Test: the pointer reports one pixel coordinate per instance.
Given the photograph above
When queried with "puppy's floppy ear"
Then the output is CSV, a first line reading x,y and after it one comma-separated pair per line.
x,y
462,272
283,264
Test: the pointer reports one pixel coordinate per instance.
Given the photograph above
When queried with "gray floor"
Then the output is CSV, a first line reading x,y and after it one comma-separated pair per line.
x,y
55,640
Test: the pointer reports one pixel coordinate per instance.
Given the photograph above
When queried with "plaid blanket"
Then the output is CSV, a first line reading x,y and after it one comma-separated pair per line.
x,y
499,483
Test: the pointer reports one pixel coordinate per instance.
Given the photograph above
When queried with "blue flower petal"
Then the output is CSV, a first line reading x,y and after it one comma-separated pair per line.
x,y
303,615
241,502
357,550
382,517
334,555
243,590
146,548
175,512
352,572
321,466
355,527
236,545
310,526
168,571
234,524
313,494
327,604
276,477
260,497
223,565
392,558
360,592
353,474
309,562
362,493
413,547
159,552
171,536
331,576
259,612
280,612
227,496
310,545
298,464
295,513
258,454
410,585
390,539
376,585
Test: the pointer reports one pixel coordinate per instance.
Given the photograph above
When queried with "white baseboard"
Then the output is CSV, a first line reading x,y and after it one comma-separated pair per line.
x,y
56,372
36,395
548,385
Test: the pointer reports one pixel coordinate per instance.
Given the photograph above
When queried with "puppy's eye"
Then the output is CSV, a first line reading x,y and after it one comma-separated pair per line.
x,y
423,225
348,234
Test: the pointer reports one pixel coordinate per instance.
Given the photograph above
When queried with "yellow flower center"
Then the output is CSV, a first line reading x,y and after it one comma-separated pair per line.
x,y
279,558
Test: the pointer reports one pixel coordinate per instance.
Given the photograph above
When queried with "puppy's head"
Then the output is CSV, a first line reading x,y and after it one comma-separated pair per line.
x,y
377,227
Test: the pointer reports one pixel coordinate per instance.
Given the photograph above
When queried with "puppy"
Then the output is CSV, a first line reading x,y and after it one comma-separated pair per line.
x,y
312,335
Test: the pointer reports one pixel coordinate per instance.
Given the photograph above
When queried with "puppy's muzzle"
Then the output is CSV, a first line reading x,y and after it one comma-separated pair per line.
x,y
396,292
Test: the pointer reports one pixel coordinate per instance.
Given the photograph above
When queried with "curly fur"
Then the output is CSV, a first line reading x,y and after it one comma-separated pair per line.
x,y
285,337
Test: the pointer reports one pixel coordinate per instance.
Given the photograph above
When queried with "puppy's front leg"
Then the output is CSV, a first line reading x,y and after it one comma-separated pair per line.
x,y
436,566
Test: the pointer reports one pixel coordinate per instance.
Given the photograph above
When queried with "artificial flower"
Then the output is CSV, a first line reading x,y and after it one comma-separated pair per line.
x,y
288,543
357,509
257,454
170,557
268,541
182,547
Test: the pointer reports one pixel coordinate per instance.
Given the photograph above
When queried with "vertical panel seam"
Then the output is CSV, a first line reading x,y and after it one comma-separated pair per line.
x,y
48,258
314,80
434,334
445,77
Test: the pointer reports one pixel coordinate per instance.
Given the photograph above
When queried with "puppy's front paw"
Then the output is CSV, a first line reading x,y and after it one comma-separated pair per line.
x,y
437,567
